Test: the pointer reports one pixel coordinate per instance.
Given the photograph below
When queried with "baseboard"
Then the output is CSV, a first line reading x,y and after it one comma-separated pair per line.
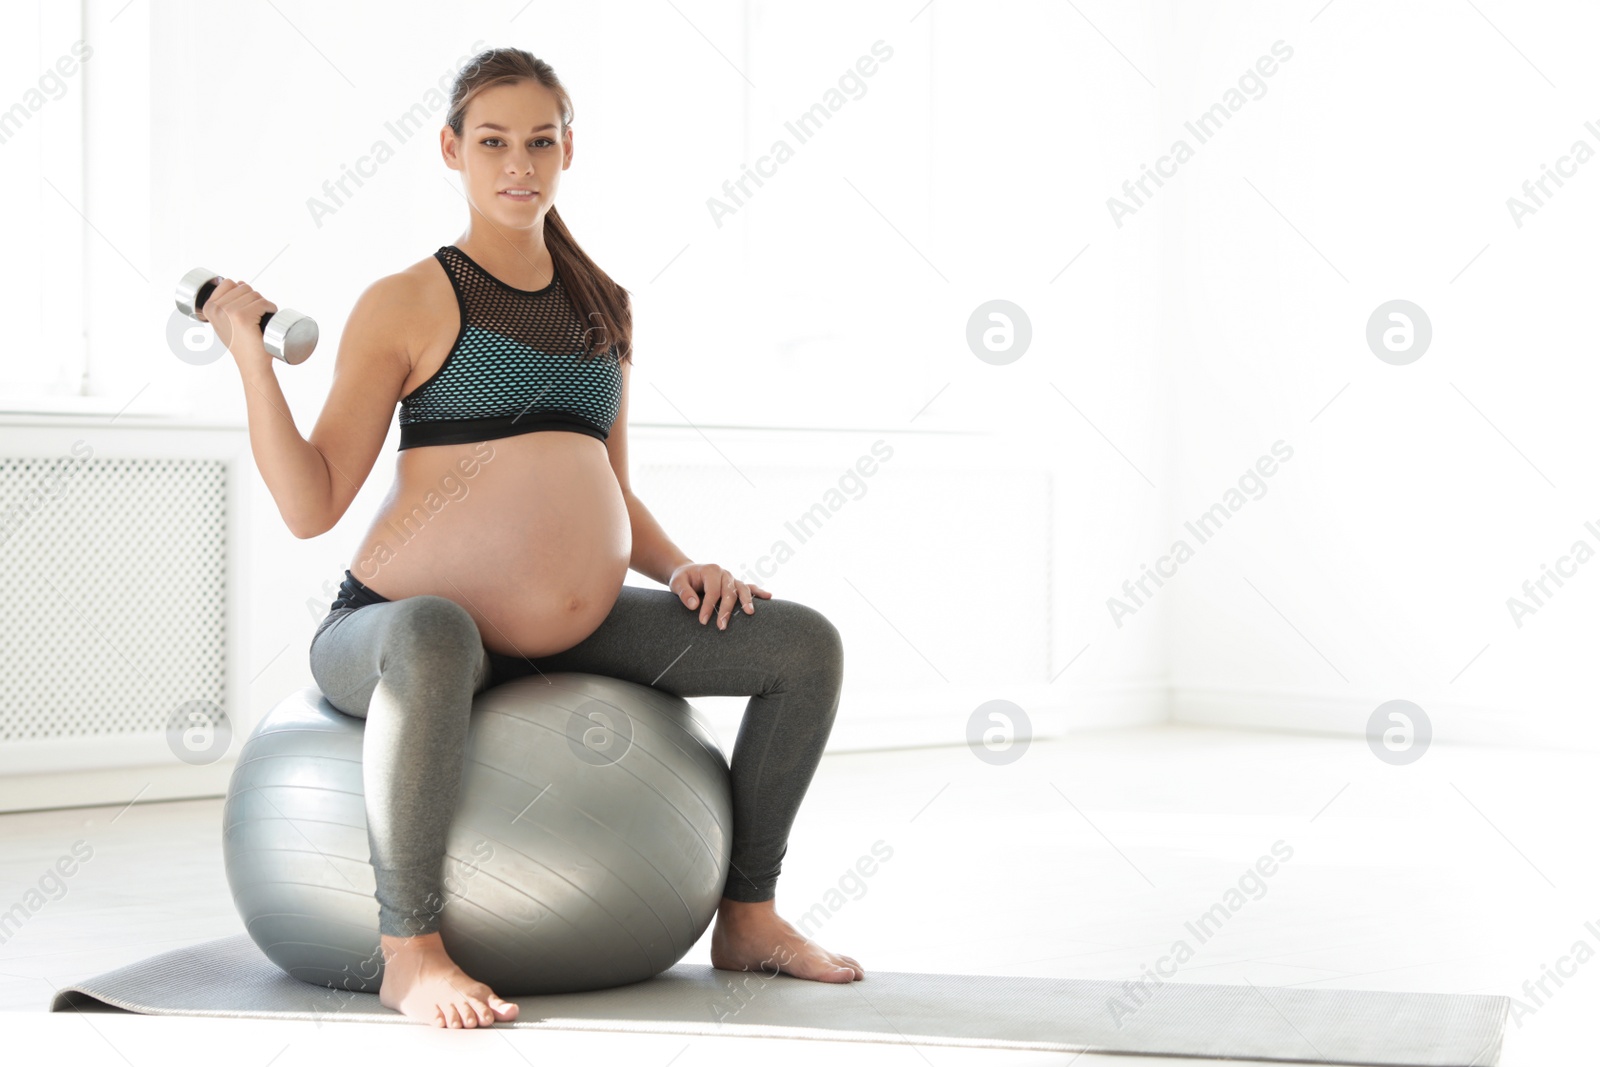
x,y
870,720
1289,711
119,786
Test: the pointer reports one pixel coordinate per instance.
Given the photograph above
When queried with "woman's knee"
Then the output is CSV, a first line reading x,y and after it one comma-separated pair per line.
x,y
812,640
426,627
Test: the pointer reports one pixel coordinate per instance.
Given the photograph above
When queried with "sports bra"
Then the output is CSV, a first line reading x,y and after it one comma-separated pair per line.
x,y
517,366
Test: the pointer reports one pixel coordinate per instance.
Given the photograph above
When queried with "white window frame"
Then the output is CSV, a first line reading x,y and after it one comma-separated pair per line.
x,y
64,325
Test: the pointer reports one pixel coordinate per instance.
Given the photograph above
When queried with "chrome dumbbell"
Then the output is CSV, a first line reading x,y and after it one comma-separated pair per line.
x,y
288,335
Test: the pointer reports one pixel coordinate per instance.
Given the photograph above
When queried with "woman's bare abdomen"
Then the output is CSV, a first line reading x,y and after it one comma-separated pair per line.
x,y
529,533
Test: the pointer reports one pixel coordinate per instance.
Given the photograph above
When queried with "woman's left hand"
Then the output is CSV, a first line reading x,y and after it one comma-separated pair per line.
x,y
721,591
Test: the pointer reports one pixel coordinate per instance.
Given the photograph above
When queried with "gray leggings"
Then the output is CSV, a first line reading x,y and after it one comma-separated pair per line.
x,y
412,666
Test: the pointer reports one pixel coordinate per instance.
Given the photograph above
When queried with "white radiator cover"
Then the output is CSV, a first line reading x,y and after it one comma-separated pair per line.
x,y
120,557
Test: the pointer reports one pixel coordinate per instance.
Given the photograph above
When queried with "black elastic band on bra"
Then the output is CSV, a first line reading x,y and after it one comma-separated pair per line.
x,y
466,431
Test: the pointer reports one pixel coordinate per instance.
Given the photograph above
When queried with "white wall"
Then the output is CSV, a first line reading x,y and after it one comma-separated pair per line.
x,y
1420,497
1169,353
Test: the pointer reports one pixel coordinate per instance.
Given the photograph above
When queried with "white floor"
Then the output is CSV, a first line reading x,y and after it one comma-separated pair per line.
x,y
1468,871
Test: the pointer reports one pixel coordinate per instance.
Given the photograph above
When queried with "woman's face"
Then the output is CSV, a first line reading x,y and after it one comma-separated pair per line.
x,y
511,137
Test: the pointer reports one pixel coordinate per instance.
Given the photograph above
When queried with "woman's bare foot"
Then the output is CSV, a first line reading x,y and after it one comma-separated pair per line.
x,y
751,936
421,981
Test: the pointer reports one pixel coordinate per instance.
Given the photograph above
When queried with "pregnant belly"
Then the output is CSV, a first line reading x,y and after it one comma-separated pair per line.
x,y
530,534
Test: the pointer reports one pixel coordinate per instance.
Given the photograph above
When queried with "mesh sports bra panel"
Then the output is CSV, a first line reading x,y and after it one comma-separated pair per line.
x,y
517,366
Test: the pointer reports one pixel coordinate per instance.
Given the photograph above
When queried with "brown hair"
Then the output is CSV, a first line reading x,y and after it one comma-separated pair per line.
x,y
599,300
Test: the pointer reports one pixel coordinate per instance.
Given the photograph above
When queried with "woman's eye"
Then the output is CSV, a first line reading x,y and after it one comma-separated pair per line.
x,y
541,142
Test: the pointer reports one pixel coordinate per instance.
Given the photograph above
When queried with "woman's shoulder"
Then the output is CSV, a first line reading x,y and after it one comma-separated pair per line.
x,y
416,287
414,305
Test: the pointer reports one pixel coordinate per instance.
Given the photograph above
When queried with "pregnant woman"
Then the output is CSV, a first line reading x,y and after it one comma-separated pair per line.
x,y
501,548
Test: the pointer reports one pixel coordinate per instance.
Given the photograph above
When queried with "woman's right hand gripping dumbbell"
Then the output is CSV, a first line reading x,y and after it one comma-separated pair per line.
x,y
235,310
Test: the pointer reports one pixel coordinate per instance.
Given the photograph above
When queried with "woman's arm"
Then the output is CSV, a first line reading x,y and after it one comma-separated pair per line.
x,y
654,554
313,479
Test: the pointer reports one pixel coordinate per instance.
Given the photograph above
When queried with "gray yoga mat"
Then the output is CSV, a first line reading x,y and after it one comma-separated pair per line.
x,y
230,977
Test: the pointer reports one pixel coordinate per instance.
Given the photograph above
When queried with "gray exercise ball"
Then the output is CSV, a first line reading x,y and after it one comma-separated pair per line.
x,y
589,847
